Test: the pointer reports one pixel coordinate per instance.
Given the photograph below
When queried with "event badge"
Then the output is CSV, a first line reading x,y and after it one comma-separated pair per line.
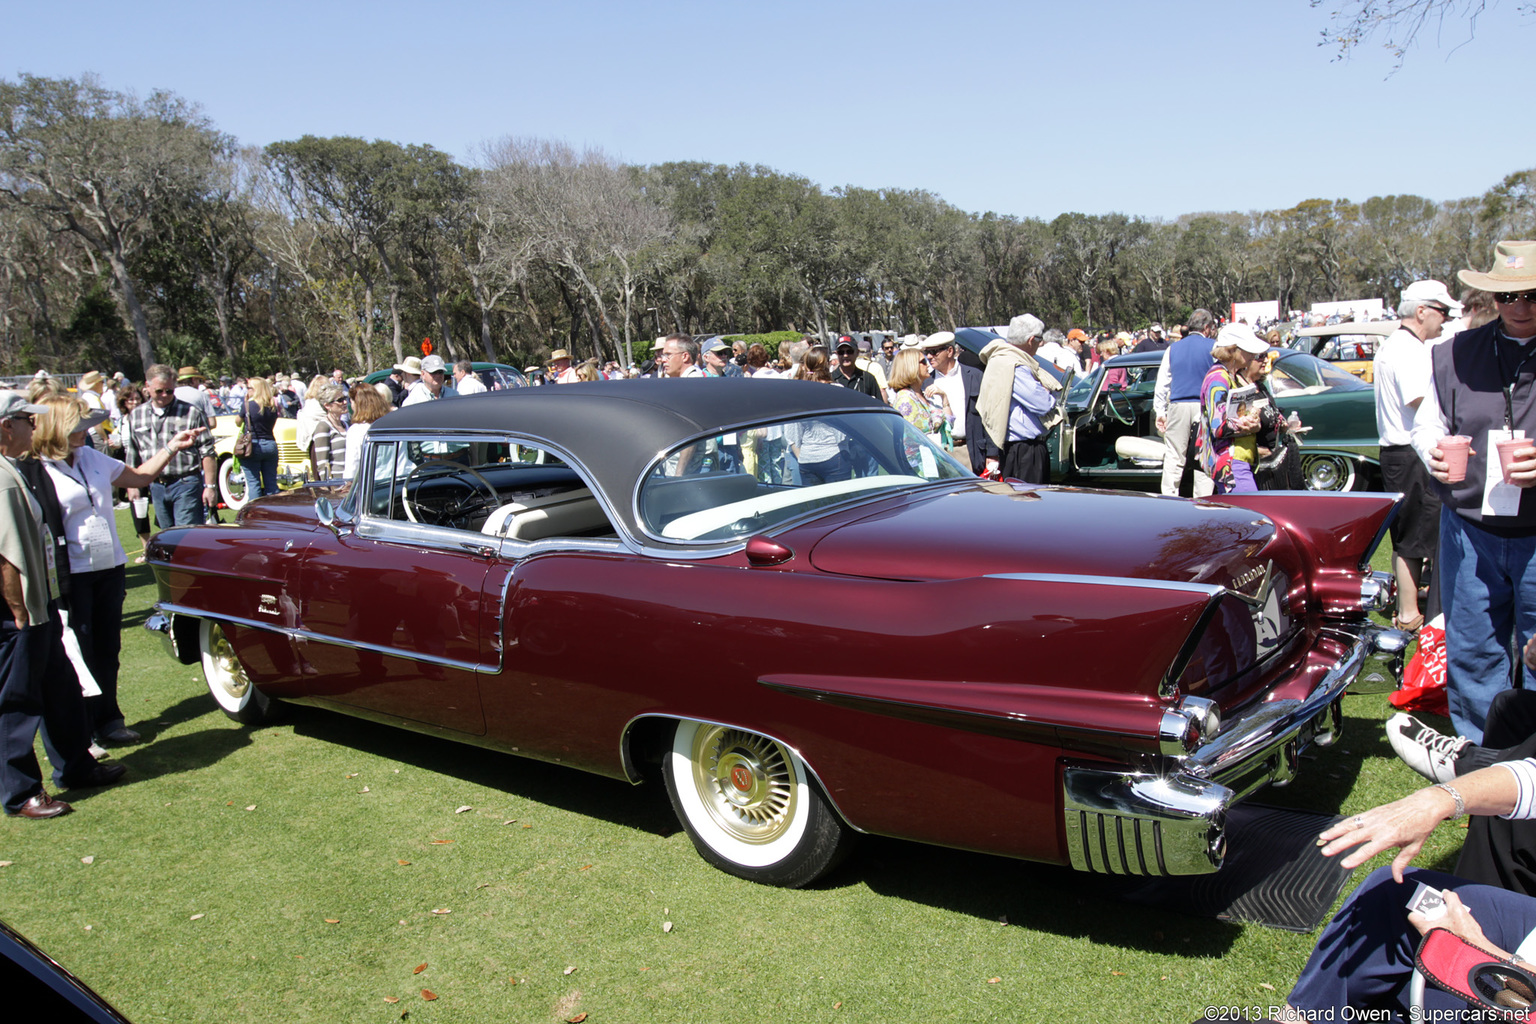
x,y
51,559
1499,498
96,541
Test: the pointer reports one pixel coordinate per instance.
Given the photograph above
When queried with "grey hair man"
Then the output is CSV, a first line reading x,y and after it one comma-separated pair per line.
x,y
1017,401
680,356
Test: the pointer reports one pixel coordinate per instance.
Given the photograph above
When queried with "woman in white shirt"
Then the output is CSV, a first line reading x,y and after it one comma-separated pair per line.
x,y
367,405
83,479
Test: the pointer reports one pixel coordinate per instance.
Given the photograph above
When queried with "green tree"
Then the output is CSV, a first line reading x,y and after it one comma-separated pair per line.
x,y
103,166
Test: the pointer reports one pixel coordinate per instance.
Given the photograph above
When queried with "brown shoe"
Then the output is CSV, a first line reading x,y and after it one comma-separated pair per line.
x,y
43,806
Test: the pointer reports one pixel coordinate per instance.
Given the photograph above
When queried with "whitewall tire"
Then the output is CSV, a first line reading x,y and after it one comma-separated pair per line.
x,y
750,806
231,688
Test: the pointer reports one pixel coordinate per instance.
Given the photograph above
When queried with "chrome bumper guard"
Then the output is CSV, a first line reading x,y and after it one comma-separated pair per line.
x,y
1173,822
160,623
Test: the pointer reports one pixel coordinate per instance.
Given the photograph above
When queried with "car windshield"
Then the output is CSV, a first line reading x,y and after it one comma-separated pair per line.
x,y
501,378
1297,373
742,482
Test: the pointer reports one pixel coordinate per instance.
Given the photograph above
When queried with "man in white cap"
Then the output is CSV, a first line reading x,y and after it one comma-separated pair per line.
x,y
1017,404
432,385
1402,378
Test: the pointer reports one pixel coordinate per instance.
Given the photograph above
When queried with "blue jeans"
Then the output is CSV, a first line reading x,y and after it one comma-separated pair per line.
x,y
1488,591
260,468
179,503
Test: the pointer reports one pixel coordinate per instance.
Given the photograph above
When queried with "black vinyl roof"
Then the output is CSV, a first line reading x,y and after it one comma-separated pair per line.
x,y
616,429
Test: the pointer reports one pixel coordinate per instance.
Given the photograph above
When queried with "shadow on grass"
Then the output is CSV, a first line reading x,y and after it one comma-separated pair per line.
x,y
1038,897
644,808
1033,896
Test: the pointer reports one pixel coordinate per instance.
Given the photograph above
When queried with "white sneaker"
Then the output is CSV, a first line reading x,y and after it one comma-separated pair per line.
x,y
1430,753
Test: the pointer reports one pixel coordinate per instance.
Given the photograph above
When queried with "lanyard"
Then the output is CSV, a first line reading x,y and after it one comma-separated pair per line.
x,y
1513,378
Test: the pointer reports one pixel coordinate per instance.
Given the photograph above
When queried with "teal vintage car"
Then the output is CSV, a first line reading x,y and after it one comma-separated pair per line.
x,y
1109,437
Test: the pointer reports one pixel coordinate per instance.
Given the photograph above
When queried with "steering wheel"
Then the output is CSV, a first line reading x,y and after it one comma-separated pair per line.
x,y
449,511
1129,416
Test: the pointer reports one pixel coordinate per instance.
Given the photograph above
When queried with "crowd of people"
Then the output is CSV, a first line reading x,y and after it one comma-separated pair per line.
x,y
1455,374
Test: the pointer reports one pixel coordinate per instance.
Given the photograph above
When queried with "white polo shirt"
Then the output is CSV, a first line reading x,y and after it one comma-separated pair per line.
x,y
1401,371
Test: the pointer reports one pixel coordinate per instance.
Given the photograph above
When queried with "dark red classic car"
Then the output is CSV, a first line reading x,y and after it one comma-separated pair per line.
x,y
805,619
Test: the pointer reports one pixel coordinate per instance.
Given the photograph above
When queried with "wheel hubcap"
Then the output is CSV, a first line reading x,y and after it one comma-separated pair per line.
x,y
1325,474
746,783
231,677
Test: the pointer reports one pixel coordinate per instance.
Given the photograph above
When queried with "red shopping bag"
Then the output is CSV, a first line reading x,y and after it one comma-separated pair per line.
x,y
1423,686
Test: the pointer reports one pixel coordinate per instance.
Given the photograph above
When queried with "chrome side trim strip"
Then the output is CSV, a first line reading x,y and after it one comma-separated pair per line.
x,y
1208,589
303,634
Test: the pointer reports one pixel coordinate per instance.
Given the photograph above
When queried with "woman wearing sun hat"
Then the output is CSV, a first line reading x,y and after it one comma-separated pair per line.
x,y
1484,386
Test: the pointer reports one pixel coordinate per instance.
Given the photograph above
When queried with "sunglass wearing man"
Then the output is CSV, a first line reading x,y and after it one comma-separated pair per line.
x,y
1483,385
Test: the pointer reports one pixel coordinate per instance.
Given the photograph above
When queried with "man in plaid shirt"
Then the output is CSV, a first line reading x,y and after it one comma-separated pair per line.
x,y
188,486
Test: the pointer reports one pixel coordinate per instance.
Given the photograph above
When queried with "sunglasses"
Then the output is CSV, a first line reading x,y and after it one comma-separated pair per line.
x,y
23,417
162,391
1509,298
1442,310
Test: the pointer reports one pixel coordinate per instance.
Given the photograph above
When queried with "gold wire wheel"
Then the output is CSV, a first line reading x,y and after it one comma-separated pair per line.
x,y
226,672
746,782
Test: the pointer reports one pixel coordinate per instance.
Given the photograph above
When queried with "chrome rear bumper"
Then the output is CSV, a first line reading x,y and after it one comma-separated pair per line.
x,y
1172,821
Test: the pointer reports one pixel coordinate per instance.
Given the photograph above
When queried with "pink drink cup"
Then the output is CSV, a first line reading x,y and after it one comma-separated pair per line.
x,y
1453,451
1507,451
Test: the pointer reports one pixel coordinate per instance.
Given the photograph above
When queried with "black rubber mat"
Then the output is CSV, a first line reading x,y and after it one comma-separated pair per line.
x,y
1273,874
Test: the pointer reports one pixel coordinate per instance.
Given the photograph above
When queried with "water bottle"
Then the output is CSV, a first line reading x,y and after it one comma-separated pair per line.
x,y
1293,421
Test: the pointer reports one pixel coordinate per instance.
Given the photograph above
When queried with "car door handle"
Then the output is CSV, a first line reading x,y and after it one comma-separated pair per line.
x,y
485,551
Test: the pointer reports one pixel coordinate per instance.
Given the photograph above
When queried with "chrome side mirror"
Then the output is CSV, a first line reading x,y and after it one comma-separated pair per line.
x,y
330,516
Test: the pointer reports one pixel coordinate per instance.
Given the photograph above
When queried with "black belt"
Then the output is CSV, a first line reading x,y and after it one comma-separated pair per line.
x,y
166,481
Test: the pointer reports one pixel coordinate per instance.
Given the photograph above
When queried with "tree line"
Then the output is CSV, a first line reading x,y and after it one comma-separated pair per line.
x,y
133,231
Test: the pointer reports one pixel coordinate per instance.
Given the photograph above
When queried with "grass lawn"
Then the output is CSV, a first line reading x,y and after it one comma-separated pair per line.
x,y
318,869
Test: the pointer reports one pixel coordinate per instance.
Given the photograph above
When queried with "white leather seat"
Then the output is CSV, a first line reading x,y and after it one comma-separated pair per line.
x,y
1141,449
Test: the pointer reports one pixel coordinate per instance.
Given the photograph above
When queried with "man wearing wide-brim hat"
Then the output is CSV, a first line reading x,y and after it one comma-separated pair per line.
x,y
1484,387
189,389
560,369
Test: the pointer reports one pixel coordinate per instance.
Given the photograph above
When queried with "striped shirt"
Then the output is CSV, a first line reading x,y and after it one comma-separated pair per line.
x,y
330,451
1524,772
151,428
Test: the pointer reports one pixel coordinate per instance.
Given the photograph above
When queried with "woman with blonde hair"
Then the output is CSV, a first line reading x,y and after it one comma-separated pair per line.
x,y
258,416
309,416
368,405
83,479
587,371
907,397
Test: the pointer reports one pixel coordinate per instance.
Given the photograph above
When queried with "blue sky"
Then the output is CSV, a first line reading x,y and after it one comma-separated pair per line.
x,y
1023,107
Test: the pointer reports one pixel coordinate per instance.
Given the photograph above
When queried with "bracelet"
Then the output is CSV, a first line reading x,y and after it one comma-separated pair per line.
x,y
1461,805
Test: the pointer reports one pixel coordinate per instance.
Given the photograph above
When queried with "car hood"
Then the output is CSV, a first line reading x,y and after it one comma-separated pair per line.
x,y
996,528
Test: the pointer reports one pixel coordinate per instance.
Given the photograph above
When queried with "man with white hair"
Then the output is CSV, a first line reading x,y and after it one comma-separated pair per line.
x,y
1016,403
1402,376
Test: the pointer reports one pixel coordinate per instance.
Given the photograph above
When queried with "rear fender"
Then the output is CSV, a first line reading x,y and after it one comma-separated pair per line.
x,y
1335,536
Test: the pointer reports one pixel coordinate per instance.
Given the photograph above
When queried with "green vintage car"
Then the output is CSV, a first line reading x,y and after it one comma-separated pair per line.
x,y
1109,437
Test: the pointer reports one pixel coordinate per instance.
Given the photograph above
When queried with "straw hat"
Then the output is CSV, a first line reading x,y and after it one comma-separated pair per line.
x,y
410,364
1514,269
187,373
90,379
559,354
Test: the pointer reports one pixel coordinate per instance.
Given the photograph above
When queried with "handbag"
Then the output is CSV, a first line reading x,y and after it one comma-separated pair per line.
x,y
243,442
1489,983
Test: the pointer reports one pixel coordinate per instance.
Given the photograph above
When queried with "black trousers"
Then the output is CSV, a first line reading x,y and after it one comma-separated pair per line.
x,y
1028,461
1496,851
37,687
